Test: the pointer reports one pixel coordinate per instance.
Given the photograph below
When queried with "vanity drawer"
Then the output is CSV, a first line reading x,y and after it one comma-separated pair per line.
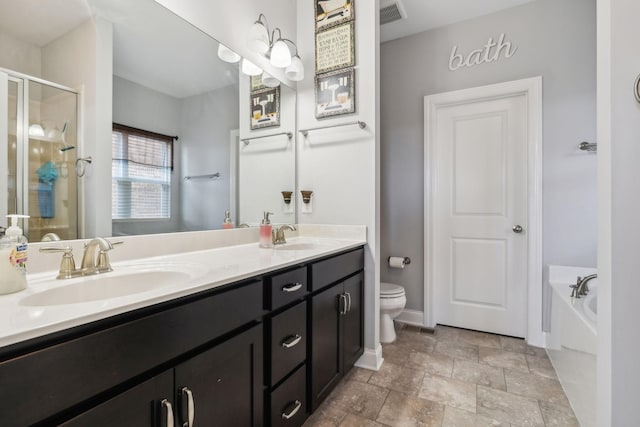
x,y
287,287
331,270
288,341
288,401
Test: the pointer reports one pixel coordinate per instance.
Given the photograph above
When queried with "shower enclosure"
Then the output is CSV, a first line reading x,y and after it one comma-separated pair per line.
x,y
38,151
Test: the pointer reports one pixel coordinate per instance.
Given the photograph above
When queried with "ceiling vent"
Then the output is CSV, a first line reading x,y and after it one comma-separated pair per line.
x,y
391,10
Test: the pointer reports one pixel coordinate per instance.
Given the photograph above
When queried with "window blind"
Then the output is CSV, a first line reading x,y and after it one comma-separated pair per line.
x,y
141,174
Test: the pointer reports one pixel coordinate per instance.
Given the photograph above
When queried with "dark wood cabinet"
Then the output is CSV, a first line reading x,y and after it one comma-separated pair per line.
x,y
337,334
223,386
263,351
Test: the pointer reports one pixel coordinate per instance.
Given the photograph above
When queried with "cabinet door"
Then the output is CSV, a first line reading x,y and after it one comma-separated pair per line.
x,y
326,359
353,326
137,407
225,383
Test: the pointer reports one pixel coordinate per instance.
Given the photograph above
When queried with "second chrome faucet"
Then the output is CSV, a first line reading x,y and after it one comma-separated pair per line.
x,y
277,234
95,259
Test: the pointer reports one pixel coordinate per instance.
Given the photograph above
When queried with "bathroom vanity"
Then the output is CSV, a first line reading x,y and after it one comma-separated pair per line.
x,y
264,349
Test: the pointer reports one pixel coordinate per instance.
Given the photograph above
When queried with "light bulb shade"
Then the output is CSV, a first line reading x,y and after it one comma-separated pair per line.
x,y
269,81
258,38
280,54
227,55
250,69
295,71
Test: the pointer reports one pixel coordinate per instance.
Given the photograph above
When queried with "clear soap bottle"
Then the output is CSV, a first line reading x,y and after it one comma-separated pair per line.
x,y
265,231
13,258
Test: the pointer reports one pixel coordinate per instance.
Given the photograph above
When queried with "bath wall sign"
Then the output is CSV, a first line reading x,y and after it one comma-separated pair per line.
x,y
492,51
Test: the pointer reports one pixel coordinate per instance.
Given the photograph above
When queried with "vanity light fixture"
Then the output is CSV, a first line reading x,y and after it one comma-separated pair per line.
x,y
227,55
269,81
262,41
250,69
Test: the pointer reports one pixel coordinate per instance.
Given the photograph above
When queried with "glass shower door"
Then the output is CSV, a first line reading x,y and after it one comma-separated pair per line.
x,y
9,134
52,200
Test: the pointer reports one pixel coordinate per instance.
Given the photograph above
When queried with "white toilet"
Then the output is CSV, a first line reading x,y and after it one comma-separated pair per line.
x,y
392,302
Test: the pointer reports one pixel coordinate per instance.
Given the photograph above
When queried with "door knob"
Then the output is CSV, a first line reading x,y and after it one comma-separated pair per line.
x,y
517,229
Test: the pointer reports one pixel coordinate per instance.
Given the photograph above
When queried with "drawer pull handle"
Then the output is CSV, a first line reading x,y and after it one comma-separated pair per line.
x,y
190,407
292,340
348,295
169,419
343,304
291,287
294,411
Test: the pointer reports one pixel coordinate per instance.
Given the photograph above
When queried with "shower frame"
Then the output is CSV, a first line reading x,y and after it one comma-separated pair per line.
x,y
21,203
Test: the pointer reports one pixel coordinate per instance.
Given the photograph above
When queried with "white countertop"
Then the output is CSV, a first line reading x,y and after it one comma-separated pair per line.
x,y
212,268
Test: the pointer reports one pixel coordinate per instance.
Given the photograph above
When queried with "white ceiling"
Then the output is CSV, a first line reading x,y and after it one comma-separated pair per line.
x,y
152,46
423,15
39,22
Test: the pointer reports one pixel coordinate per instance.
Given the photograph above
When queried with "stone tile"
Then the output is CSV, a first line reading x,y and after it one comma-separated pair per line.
x,y
398,378
458,350
416,342
535,387
456,393
503,359
357,421
536,351
510,408
402,410
454,417
517,345
541,366
479,338
446,333
558,415
359,398
476,373
396,353
432,363
358,374
327,415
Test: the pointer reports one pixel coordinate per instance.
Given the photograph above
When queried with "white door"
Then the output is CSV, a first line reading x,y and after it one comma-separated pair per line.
x,y
478,174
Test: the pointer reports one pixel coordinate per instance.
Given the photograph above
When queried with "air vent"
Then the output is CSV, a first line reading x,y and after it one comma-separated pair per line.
x,y
391,11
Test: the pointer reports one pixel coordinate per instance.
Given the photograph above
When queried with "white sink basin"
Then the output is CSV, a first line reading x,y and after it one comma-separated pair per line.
x,y
112,285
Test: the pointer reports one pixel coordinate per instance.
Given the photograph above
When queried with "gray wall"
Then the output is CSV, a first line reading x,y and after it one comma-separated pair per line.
x,y
143,108
556,40
206,121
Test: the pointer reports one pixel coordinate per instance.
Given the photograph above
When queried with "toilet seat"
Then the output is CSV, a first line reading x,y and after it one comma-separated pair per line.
x,y
390,290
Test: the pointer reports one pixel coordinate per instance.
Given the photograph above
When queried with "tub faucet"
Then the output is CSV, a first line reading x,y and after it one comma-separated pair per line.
x,y
277,235
581,287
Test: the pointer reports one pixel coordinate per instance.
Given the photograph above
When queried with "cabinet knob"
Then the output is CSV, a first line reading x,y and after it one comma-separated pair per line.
x,y
190,407
169,417
296,407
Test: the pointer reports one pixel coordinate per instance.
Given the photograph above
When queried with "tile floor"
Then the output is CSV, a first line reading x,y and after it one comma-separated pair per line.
x,y
450,377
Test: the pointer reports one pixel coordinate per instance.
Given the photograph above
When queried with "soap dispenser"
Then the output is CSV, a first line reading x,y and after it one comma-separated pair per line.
x,y
13,258
227,224
265,231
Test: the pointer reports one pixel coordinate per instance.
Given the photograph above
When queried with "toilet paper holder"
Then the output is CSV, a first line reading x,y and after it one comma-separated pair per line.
x,y
405,260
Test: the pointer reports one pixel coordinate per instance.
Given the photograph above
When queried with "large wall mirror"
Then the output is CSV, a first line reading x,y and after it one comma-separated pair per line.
x,y
187,142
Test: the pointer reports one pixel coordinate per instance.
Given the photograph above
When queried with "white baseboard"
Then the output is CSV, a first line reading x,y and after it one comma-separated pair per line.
x,y
371,359
411,317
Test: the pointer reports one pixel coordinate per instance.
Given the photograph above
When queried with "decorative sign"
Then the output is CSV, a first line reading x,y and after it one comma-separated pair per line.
x,y
335,48
332,12
335,93
489,53
256,83
265,108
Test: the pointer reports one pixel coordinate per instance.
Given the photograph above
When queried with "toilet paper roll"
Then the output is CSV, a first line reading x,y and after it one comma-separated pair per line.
x,y
396,262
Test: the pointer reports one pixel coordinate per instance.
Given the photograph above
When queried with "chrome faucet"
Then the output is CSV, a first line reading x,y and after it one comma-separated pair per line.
x,y
581,287
277,234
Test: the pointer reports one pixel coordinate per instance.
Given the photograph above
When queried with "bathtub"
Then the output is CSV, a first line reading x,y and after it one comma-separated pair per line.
x,y
572,340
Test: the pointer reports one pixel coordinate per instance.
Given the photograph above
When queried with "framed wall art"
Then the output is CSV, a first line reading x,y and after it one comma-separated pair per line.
x,y
332,12
335,93
265,108
335,48
256,83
